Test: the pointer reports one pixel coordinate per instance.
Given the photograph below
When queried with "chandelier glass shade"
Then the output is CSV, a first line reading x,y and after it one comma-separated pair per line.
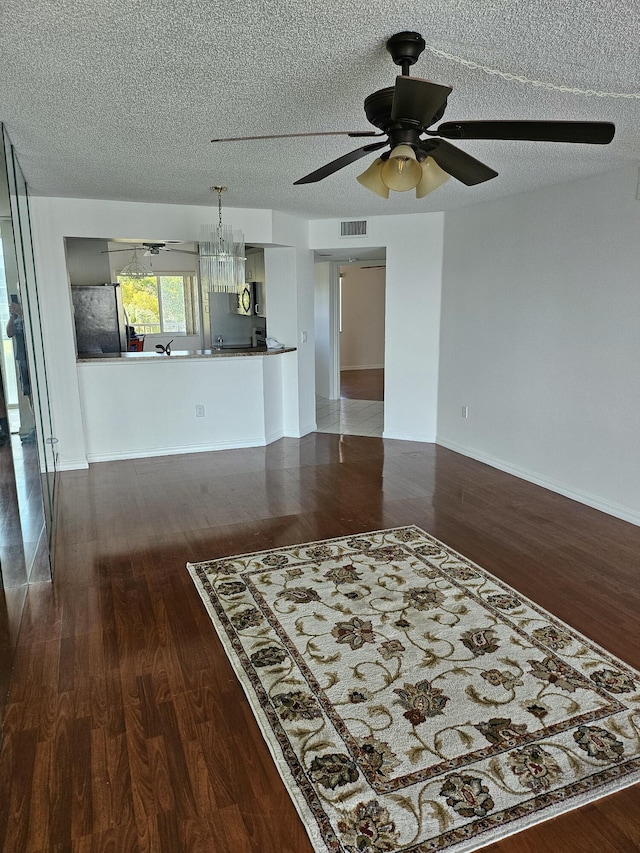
x,y
222,258
135,268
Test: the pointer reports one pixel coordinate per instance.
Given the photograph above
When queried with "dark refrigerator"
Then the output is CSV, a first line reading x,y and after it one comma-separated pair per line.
x,y
100,319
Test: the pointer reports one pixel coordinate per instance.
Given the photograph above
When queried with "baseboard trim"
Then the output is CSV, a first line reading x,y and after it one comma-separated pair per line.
x,y
616,510
362,367
72,465
425,438
305,429
258,441
274,436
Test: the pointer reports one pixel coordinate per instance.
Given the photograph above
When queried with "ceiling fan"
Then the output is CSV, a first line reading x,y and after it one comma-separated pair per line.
x,y
149,249
419,156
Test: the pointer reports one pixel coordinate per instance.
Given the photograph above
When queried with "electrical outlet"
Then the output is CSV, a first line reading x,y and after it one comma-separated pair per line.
x,y
303,338
199,411
465,411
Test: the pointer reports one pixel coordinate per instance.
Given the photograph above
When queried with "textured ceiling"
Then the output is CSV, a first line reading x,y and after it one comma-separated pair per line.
x,y
119,100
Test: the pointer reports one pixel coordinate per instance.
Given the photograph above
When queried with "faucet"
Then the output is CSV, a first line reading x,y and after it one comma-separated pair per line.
x,y
166,349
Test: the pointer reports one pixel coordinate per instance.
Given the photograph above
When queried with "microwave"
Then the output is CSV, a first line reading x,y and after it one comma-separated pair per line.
x,y
249,300
243,301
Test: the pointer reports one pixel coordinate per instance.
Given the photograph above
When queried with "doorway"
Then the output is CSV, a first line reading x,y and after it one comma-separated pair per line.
x,y
354,403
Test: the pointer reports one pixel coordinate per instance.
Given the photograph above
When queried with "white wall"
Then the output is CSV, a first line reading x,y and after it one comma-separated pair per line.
x,y
290,317
88,262
362,335
322,329
413,244
274,367
55,218
541,338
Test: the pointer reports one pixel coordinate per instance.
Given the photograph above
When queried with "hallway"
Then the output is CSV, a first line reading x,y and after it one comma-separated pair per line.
x,y
360,409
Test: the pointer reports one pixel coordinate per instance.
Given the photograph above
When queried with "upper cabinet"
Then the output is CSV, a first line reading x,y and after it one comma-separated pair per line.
x,y
254,272
254,267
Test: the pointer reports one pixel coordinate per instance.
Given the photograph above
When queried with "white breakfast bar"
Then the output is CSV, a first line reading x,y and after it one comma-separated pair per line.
x,y
152,404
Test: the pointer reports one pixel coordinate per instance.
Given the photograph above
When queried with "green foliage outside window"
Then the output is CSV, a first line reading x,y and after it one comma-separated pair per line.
x,y
140,299
172,296
155,304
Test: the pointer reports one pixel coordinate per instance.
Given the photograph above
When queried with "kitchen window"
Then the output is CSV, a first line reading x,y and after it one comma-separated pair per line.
x,y
161,303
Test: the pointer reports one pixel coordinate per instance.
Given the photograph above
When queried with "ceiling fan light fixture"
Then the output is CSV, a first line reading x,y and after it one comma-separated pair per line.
x,y
222,258
404,173
371,179
432,177
401,172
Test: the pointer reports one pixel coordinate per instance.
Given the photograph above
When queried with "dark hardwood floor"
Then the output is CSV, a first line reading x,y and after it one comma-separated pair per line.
x,y
126,729
362,384
13,569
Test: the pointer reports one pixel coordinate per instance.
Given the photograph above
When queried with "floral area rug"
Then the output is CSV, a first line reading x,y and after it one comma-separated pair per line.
x,y
413,702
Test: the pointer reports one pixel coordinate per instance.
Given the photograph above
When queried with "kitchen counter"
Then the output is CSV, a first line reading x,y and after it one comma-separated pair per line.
x,y
224,352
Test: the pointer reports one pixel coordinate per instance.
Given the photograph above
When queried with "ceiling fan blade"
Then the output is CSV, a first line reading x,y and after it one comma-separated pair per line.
x,y
294,135
340,163
129,249
417,100
155,249
594,132
461,165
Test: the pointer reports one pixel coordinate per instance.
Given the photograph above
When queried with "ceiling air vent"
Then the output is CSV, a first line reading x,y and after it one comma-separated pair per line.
x,y
356,228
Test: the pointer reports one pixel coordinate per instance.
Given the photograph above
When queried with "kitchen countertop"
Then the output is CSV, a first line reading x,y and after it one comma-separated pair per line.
x,y
225,352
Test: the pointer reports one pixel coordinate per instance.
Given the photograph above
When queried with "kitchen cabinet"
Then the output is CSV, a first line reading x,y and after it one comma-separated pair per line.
x,y
259,299
254,272
254,265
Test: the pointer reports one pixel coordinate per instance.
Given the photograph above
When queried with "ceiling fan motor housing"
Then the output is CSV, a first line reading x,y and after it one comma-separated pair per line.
x,y
377,107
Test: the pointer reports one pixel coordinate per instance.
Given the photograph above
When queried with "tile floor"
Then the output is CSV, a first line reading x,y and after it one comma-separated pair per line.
x,y
350,417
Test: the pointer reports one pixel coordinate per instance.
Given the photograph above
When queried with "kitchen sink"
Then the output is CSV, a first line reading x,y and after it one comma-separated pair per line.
x,y
232,348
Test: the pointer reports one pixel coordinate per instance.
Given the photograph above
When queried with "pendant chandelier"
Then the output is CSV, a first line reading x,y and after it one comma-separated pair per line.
x,y
135,268
222,255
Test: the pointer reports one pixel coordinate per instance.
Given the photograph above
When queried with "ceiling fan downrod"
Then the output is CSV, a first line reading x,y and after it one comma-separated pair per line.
x,y
405,49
